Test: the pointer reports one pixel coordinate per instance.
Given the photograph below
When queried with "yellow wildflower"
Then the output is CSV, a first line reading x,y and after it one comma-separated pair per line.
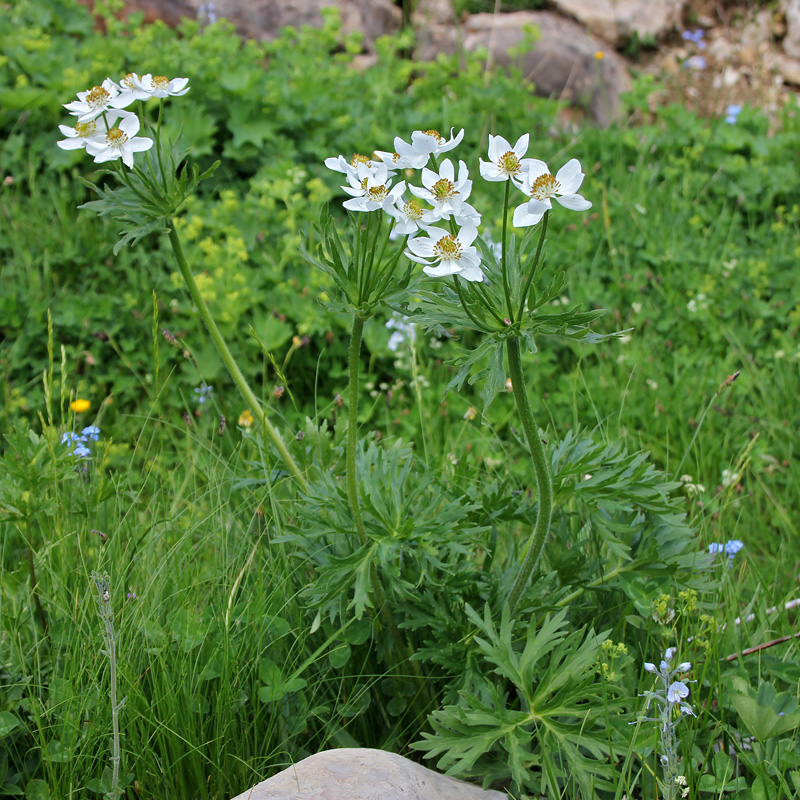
x,y
79,406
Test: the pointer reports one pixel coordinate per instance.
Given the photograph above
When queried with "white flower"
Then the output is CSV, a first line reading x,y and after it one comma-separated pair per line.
x,y
94,102
82,133
424,144
410,217
129,91
677,691
159,85
341,164
119,142
442,190
446,254
541,186
505,161
370,189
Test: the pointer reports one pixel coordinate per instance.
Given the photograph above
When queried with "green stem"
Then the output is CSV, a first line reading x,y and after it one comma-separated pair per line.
x,y
233,368
534,266
544,481
403,648
352,427
565,601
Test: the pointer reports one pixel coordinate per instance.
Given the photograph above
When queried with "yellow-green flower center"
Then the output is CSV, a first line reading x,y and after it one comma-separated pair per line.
x,y
127,81
509,163
97,97
359,159
436,135
160,82
544,187
378,193
444,189
413,210
116,138
85,129
448,248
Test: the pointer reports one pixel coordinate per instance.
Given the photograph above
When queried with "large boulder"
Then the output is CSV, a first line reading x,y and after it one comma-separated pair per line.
x,y
565,62
263,19
617,21
361,774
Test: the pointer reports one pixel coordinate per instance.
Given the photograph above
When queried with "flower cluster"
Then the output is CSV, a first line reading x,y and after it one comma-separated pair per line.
x,y
730,549
103,128
669,697
445,190
79,441
732,114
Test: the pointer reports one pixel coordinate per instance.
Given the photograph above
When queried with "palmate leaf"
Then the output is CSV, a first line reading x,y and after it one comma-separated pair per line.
x,y
545,707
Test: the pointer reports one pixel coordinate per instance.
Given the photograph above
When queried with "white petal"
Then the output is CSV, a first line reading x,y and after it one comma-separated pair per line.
x,y
139,144
442,270
498,146
523,218
521,147
467,235
74,143
490,171
570,176
446,170
129,125
574,202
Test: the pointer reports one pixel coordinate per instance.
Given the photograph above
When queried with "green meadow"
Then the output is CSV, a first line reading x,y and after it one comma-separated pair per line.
x,y
358,579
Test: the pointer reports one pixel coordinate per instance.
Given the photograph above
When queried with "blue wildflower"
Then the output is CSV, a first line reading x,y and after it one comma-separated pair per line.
x,y
696,37
730,549
732,114
203,393
695,62
90,432
78,441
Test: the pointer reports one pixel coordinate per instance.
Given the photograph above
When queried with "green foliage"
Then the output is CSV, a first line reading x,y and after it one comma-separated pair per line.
x,y
252,625
538,722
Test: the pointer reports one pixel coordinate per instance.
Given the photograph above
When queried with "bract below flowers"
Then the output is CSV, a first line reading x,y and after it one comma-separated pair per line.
x,y
445,254
540,185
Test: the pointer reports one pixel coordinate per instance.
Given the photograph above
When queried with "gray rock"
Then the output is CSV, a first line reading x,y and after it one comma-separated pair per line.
x,y
791,44
563,62
263,19
616,21
362,774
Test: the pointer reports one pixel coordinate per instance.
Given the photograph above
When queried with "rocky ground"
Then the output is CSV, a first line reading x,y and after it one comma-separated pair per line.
x,y
709,54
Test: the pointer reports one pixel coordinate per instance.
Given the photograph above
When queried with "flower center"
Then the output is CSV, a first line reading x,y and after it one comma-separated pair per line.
x,y
436,135
359,159
116,138
127,81
378,193
97,97
444,189
544,187
85,129
448,248
413,210
160,82
509,163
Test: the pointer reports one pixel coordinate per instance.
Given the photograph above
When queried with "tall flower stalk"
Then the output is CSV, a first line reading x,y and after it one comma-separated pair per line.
x,y
669,697
152,191
102,584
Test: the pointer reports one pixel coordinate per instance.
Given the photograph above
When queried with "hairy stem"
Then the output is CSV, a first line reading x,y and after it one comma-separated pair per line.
x,y
544,481
233,368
